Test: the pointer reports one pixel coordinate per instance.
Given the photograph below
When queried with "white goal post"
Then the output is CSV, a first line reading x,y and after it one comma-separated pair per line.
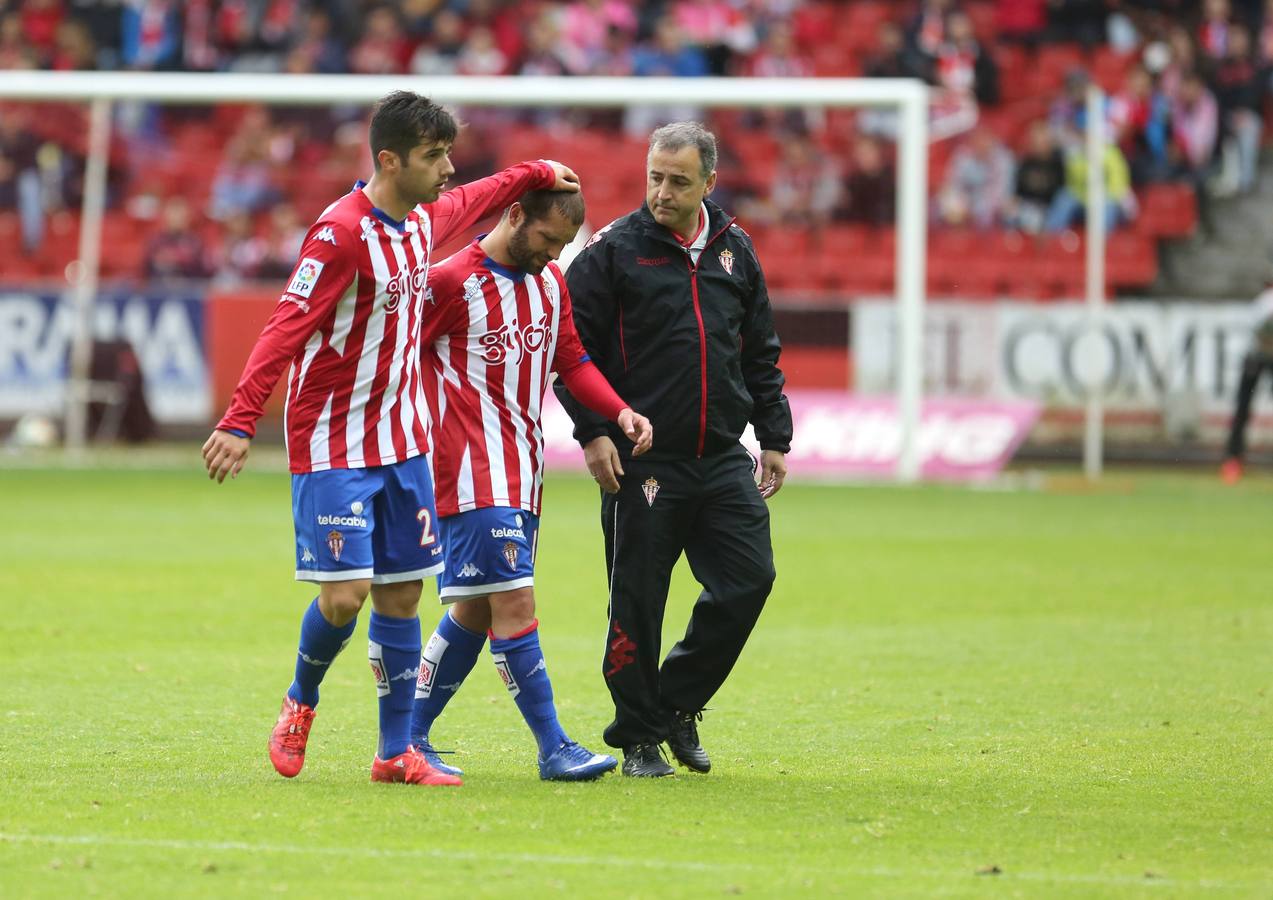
x,y
908,97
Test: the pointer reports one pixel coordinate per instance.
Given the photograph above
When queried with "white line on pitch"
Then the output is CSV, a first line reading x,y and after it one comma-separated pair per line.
x,y
88,840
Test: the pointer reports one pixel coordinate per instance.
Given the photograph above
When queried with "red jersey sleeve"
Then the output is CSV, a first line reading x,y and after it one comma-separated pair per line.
x,y
460,208
327,267
570,361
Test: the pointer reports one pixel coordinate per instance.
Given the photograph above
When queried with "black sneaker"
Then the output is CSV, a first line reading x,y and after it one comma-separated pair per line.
x,y
645,761
684,744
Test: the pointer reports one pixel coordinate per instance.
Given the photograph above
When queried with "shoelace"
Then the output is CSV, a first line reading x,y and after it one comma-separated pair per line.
x,y
426,747
652,749
297,731
687,725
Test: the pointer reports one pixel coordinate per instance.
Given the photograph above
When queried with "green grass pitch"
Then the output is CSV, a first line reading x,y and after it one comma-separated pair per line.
x,y
951,692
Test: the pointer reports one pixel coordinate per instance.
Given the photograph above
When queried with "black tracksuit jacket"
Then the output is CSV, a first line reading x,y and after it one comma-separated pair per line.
x,y
691,347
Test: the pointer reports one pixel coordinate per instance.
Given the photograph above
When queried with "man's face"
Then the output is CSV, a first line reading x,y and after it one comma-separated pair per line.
x,y
675,187
421,177
533,244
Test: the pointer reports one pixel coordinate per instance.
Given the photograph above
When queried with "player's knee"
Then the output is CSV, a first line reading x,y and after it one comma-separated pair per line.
x,y
398,599
340,602
512,611
473,614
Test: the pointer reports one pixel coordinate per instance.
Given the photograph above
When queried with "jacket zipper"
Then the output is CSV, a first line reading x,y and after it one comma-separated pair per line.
x,y
702,355
702,337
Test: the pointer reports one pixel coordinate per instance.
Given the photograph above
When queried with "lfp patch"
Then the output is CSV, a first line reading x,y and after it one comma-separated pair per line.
x,y
306,277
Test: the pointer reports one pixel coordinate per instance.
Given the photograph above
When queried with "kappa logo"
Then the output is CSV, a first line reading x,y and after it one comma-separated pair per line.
x,y
407,675
510,554
368,228
598,235
335,543
469,570
288,298
314,662
473,287
622,651
540,666
307,555
651,489
653,260
326,234
727,261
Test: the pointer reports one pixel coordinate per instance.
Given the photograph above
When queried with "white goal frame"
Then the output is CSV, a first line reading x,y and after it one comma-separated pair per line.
x,y
909,97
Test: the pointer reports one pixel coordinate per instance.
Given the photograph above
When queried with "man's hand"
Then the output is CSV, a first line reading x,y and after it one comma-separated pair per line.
x,y
225,454
638,429
567,180
603,462
773,469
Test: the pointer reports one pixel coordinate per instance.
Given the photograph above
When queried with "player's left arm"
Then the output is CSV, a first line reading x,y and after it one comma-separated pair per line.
x,y
587,385
460,208
771,413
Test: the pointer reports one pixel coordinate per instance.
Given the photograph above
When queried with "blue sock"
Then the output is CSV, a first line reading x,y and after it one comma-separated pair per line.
x,y
521,664
320,642
448,658
393,648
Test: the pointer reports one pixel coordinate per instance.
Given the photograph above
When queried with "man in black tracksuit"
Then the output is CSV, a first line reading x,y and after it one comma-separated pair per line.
x,y
671,305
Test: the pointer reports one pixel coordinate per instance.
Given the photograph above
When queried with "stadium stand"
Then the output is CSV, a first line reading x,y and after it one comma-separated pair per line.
x,y
997,67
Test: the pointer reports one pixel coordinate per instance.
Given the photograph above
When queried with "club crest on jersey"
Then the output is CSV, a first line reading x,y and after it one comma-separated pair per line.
x,y
727,261
651,489
326,234
335,543
306,277
510,554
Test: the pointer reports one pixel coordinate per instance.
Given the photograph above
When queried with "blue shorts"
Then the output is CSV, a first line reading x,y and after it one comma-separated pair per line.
x,y
378,523
487,550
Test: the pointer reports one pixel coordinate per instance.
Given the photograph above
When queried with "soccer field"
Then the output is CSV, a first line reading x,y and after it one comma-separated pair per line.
x,y
951,692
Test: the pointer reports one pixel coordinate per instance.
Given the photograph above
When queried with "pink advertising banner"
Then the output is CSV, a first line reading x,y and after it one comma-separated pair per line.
x,y
840,435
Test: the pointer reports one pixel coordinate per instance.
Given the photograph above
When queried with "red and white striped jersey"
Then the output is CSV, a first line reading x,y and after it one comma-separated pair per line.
x,y
349,323
496,336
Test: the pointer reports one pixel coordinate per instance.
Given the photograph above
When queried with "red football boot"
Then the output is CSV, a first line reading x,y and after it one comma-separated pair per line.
x,y
409,768
291,731
1231,470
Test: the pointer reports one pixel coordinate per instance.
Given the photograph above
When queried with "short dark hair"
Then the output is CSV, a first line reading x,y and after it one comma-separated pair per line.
x,y
404,120
538,204
678,135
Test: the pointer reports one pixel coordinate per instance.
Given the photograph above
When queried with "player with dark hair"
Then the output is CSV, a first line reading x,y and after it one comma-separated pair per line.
x,y
348,323
501,327
670,303
1258,360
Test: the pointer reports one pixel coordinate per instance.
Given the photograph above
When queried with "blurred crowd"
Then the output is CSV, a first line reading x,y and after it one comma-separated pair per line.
x,y
1185,102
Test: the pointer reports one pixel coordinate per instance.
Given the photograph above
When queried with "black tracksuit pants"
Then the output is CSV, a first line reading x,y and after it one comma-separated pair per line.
x,y
711,510
1253,366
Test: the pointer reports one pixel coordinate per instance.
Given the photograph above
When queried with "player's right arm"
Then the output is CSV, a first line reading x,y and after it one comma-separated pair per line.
x,y
328,265
460,208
